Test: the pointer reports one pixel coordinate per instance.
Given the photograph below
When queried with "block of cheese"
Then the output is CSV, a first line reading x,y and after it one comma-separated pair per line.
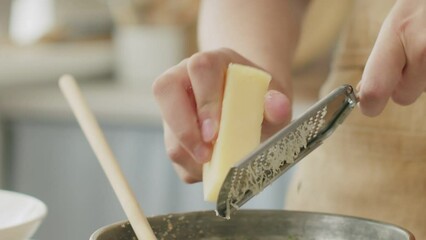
x,y
240,124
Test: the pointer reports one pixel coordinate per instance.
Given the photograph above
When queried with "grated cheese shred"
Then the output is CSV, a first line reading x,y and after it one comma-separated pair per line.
x,y
269,164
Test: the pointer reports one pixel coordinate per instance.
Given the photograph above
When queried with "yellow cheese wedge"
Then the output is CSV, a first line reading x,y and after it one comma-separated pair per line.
x,y
240,124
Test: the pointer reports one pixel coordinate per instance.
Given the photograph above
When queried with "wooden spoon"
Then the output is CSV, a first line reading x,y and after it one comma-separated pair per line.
x,y
103,152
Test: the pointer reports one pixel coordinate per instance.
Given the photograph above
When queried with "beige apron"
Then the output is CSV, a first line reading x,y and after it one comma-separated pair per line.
x,y
370,167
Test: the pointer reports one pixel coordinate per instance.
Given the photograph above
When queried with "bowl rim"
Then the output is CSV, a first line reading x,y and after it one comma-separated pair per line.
x,y
400,228
35,218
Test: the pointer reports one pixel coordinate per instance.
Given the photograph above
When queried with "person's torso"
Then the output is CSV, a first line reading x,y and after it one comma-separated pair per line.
x,y
370,167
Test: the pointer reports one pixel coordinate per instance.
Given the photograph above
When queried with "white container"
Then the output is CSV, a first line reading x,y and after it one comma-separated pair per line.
x,y
31,20
20,215
142,53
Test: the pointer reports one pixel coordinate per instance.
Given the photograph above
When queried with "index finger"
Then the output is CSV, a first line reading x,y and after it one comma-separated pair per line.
x,y
383,71
174,96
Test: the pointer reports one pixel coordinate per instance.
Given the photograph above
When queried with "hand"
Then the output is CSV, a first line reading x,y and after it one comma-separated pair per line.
x,y
190,97
396,67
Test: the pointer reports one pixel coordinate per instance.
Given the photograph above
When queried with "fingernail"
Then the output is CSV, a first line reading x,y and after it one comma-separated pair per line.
x,y
358,86
201,153
208,130
269,96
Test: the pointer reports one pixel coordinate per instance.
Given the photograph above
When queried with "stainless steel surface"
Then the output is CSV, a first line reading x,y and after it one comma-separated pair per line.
x,y
259,224
283,150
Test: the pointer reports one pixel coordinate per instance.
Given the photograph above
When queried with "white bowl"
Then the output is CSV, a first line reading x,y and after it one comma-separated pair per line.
x,y
20,215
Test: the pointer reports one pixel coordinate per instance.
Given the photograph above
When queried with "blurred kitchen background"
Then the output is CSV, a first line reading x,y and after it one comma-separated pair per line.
x,y
115,48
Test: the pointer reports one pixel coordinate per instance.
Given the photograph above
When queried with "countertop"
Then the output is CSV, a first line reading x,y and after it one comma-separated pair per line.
x,y
110,101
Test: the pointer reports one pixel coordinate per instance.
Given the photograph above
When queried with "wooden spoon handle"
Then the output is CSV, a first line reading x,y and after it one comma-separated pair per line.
x,y
103,152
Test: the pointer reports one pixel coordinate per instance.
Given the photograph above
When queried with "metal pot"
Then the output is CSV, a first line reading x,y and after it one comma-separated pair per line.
x,y
259,224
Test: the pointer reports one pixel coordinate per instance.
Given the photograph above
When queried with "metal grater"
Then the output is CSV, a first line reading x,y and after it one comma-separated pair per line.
x,y
283,150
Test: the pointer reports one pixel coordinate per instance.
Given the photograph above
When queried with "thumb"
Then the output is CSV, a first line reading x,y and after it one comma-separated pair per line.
x,y
277,112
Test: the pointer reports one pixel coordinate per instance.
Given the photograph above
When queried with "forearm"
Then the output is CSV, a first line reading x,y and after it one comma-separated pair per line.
x,y
266,32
